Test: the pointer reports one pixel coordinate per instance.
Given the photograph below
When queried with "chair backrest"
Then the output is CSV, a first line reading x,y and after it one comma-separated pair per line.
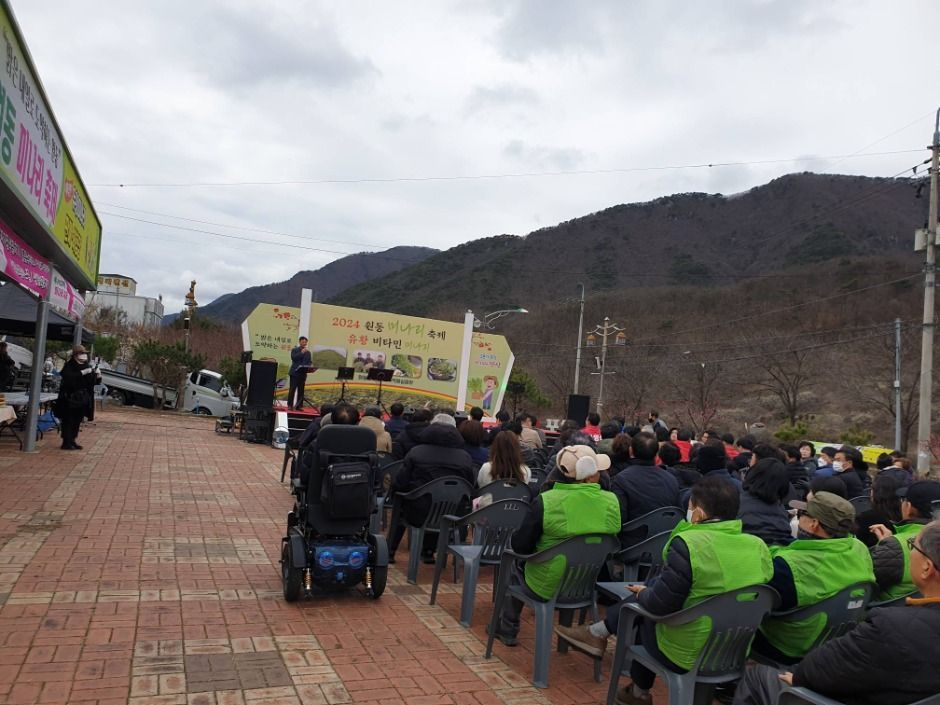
x,y
862,503
506,489
735,617
843,611
654,522
648,552
538,475
388,472
334,444
101,391
584,556
447,495
494,525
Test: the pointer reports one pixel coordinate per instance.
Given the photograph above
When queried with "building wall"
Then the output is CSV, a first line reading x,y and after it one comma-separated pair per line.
x,y
139,309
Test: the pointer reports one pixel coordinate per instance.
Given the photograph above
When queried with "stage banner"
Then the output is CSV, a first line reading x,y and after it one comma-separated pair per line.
x,y
423,354
35,163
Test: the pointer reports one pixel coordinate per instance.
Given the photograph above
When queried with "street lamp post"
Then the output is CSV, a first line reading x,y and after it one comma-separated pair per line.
x,y
604,330
577,354
490,318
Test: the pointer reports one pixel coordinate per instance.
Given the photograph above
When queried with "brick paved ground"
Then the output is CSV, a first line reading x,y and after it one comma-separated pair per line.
x,y
143,569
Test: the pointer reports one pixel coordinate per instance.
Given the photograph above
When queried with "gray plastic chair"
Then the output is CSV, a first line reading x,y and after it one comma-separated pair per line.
x,y
862,503
493,527
805,696
584,557
387,472
735,617
647,553
654,522
447,495
843,612
506,489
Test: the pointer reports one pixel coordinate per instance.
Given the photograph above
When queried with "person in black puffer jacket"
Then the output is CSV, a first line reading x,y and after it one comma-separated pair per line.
x,y
796,473
889,659
762,512
411,436
439,454
851,469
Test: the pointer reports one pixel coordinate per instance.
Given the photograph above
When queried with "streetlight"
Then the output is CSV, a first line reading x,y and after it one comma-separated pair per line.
x,y
190,304
577,355
489,318
604,330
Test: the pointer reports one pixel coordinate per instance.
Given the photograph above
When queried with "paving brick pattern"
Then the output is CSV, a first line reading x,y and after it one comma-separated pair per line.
x,y
144,570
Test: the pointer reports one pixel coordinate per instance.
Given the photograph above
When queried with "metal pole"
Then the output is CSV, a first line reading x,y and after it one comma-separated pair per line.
x,y
35,374
926,351
897,383
577,354
77,336
600,392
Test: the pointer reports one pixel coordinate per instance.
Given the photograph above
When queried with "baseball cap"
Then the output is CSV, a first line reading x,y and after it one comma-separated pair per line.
x,y
569,460
921,495
837,515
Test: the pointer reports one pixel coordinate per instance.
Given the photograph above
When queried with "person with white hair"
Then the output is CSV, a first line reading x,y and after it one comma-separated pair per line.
x,y
439,453
578,506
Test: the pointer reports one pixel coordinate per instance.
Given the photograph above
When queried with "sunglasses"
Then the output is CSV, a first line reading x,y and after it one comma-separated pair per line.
x,y
914,547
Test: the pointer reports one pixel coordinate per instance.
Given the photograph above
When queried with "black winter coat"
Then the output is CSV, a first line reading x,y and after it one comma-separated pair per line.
x,y
854,487
77,390
799,481
408,439
889,659
768,522
440,454
642,488
900,475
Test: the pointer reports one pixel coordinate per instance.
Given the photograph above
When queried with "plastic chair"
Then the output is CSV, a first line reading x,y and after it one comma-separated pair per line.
x,y
894,601
735,617
843,611
388,472
446,495
101,393
505,489
862,503
647,553
805,696
654,522
493,527
584,557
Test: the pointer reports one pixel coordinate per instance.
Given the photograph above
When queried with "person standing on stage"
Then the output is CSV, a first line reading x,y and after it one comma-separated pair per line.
x,y
300,362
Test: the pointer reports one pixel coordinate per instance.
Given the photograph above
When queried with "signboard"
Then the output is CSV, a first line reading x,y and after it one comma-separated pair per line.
x,y
34,162
424,355
20,263
65,298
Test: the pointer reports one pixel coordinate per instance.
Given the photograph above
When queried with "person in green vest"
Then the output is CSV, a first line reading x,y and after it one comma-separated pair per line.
x,y
892,554
825,559
706,555
571,508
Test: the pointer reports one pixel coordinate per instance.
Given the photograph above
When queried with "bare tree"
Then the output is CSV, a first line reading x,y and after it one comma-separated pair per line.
x,y
695,393
786,374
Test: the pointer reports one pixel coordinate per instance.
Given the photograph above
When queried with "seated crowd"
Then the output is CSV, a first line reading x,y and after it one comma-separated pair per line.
x,y
755,513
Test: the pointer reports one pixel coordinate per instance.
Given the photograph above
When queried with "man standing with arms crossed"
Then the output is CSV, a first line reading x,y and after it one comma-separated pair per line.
x,y
299,364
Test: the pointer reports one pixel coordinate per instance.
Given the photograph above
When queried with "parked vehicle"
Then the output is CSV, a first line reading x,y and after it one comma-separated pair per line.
x,y
205,392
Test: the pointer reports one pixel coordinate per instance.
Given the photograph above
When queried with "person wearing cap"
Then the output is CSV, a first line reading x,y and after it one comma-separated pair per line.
x,y
824,462
571,508
888,659
825,559
851,469
707,554
300,362
76,395
892,554
439,453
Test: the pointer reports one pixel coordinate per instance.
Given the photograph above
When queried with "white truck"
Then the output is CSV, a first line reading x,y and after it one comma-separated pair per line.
x,y
205,392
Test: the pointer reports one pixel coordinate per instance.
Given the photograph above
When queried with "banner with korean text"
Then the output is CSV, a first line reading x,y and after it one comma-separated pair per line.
x,y
424,355
35,164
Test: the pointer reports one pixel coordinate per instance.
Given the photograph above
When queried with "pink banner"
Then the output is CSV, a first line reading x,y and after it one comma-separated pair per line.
x,y
19,262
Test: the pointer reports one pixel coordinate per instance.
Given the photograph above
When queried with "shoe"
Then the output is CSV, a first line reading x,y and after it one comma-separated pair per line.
x,y
582,638
68,447
625,696
75,446
505,639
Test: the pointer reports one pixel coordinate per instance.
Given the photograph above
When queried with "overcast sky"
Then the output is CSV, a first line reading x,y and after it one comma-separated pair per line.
x,y
160,96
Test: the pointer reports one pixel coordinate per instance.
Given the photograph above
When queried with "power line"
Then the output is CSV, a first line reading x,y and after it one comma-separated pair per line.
x,y
513,175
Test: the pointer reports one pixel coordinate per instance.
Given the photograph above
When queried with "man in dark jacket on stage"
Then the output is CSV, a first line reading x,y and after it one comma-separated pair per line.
x,y
299,364
440,453
889,659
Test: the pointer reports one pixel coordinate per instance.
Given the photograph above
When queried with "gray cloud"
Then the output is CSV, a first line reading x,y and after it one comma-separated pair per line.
x,y
501,95
541,157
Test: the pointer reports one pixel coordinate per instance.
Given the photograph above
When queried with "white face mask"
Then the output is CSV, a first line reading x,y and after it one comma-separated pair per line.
x,y
836,466
795,527
688,515
821,462
82,358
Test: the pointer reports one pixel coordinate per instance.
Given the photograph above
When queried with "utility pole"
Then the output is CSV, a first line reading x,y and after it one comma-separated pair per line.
x,y
577,353
897,383
604,330
926,351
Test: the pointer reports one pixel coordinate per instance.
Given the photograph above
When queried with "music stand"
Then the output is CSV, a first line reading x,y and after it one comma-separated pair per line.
x,y
344,374
380,376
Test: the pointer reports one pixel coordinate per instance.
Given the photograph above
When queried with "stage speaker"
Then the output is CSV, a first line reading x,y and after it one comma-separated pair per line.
x,y
259,423
261,384
578,407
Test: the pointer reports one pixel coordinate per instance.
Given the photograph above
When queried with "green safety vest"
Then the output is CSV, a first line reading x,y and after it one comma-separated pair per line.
x,y
723,559
570,510
821,568
906,586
